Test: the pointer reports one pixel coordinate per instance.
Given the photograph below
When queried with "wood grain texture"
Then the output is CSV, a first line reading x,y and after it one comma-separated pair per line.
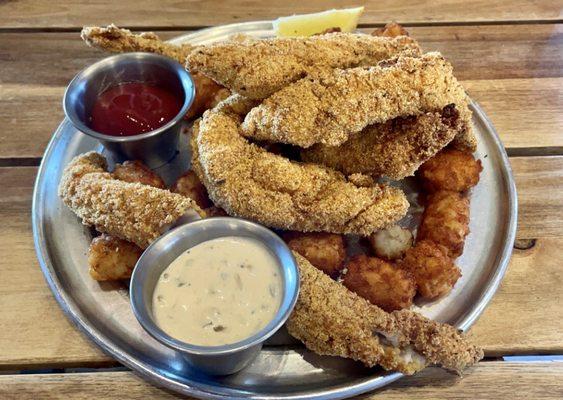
x,y
539,210
519,320
523,96
72,13
488,380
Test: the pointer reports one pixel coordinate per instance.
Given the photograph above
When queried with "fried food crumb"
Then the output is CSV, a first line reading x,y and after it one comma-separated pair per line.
x,y
380,282
136,171
190,186
391,29
450,169
391,243
326,251
446,221
110,258
434,271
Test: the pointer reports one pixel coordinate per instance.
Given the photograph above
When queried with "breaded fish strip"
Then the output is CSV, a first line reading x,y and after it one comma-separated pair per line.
x,y
249,182
117,40
394,149
331,320
257,69
331,106
129,211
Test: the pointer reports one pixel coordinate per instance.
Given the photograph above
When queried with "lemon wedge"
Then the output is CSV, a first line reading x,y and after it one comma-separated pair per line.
x,y
309,24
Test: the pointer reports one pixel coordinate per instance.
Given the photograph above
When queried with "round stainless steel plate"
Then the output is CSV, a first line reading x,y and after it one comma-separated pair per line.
x,y
284,369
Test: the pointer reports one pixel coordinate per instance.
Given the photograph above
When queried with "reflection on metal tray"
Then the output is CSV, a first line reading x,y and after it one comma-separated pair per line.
x,y
284,368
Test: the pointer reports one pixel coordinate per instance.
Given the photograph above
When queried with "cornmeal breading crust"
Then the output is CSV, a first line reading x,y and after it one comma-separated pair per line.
x,y
331,320
129,211
257,69
249,182
332,106
394,149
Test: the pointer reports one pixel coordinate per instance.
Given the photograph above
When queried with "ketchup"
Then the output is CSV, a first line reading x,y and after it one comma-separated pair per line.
x,y
133,108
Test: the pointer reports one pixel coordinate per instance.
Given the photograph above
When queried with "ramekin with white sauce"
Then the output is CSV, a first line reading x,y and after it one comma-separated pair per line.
x,y
215,290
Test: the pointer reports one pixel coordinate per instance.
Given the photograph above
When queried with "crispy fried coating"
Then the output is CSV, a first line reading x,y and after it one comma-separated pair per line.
x,y
331,320
117,40
249,182
391,243
391,29
450,169
256,69
333,105
190,186
381,283
394,149
136,171
326,251
434,271
446,221
111,259
129,211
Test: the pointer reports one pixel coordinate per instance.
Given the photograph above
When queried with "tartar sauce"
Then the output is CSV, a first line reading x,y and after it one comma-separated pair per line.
x,y
219,292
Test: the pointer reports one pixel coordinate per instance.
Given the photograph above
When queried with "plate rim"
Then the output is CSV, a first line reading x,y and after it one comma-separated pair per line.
x,y
73,312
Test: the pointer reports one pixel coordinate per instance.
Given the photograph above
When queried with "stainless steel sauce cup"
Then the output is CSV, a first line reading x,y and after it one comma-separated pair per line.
x,y
154,148
213,360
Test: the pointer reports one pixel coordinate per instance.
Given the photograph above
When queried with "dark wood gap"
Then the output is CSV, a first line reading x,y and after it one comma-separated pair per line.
x,y
360,26
20,162
81,368
512,152
534,151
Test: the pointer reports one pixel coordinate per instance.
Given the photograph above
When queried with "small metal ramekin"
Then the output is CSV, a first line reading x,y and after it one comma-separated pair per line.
x,y
212,360
154,148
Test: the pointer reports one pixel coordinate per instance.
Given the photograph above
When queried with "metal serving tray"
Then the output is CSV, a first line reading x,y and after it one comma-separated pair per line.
x,y
284,369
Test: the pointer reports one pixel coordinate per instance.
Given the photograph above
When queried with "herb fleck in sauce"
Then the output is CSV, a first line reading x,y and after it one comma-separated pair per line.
x,y
222,291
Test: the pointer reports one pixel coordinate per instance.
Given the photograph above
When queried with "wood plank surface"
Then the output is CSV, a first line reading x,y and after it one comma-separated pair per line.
x,y
488,380
523,96
171,13
519,320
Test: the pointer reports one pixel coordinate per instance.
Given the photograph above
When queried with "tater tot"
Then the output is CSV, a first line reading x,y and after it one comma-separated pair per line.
x,y
391,29
326,251
434,271
136,171
110,258
207,95
190,186
391,243
450,169
380,282
446,221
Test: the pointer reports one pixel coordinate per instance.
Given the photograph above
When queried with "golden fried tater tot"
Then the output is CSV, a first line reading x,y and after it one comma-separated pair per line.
x,y
452,170
391,243
434,271
380,282
208,95
190,186
136,171
326,251
446,221
110,258
392,29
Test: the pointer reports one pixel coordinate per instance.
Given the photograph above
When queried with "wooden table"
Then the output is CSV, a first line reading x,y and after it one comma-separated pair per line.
x,y
509,55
